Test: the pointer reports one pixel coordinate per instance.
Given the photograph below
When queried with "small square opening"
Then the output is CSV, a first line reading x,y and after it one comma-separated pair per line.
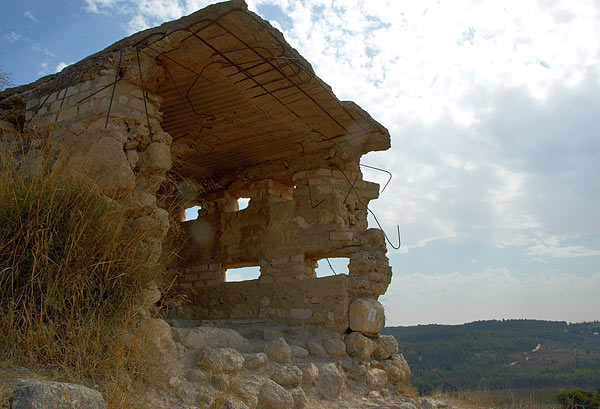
x,y
238,274
330,266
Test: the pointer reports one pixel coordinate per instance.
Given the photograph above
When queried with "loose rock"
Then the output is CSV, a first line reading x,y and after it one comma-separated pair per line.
x,y
273,396
279,351
366,316
359,346
31,394
287,375
330,382
376,378
387,346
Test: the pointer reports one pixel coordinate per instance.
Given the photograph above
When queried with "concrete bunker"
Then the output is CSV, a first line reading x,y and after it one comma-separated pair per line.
x,y
222,105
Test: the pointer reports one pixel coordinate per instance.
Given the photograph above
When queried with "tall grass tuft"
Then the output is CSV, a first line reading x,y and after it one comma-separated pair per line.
x,y
70,271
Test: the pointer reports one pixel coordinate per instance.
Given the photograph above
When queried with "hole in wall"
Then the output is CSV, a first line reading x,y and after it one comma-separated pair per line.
x,y
242,274
243,203
191,213
338,264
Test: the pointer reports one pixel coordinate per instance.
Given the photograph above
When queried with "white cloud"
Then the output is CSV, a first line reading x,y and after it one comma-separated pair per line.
x,y
30,16
61,65
12,37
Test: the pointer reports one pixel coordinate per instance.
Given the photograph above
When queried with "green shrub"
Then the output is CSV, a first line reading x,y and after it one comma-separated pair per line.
x,y
577,398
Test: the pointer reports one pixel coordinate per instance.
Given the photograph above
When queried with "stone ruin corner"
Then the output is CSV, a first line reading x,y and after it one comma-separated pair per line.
x,y
219,102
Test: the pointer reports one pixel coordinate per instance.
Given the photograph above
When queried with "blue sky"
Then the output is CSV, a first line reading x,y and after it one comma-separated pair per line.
x,y
494,112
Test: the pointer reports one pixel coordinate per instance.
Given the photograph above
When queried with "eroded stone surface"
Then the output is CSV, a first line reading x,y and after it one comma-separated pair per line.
x,y
32,394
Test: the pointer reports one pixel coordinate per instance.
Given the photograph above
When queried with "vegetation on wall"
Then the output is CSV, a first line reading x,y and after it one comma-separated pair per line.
x,y
70,272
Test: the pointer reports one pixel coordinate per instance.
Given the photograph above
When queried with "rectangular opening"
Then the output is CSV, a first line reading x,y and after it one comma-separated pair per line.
x,y
243,203
191,213
330,266
238,274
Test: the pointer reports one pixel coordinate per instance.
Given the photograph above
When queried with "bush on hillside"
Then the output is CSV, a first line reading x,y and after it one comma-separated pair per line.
x,y
578,399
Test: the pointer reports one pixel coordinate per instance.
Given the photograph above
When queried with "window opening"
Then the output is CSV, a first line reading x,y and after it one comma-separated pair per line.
x,y
191,213
242,274
243,203
335,266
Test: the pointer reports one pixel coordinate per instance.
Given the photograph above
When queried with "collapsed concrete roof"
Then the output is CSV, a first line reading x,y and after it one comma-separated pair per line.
x,y
234,92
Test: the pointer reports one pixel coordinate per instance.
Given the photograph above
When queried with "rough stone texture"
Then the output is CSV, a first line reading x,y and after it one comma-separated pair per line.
x,y
387,346
256,361
335,347
316,349
366,316
273,396
125,125
359,346
287,375
230,403
298,352
358,371
376,378
31,394
279,351
219,360
310,373
159,338
198,337
330,382
397,369
299,398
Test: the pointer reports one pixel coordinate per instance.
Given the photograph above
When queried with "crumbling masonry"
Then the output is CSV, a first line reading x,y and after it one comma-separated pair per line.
x,y
222,104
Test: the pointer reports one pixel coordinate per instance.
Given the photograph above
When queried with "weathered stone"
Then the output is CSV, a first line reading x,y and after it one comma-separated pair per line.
x,y
298,352
316,349
229,403
219,360
196,375
358,371
310,373
199,337
335,347
256,361
366,316
32,394
159,338
278,350
287,375
299,398
273,396
376,378
330,382
397,369
374,395
359,346
387,346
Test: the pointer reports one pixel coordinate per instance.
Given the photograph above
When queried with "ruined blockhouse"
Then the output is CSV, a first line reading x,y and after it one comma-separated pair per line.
x,y
221,103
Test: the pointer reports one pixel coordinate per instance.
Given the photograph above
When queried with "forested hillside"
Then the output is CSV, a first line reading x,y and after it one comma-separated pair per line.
x,y
501,354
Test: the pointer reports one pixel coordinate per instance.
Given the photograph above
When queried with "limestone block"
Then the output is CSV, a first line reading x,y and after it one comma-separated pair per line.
x,y
299,398
198,337
366,316
335,347
279,351
299,352
287,375
397,369
255,361
358,371
274,396
359,346
219,360
106,164
316,349
341,235
387,346
156,158
32,394
330,382
301,313
310,373
159,337
376,378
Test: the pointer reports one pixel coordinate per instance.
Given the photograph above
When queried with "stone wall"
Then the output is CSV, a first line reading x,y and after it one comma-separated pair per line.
x,y
217,100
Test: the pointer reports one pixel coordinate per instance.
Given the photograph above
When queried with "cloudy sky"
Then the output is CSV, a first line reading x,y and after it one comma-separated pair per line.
x,y
494,113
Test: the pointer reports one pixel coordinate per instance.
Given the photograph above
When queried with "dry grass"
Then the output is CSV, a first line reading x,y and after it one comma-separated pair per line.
x,y
70,270
497,399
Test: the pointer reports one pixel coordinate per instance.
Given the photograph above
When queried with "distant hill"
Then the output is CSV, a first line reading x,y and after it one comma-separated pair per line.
x,y
501,354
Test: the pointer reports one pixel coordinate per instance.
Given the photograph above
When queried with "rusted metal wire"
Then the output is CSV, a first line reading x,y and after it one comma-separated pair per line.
x,y
70,78
112,95
143,92
330,266
308,179
380,170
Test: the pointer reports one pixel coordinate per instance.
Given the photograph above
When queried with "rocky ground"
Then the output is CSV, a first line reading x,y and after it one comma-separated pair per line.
x,y
249,364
